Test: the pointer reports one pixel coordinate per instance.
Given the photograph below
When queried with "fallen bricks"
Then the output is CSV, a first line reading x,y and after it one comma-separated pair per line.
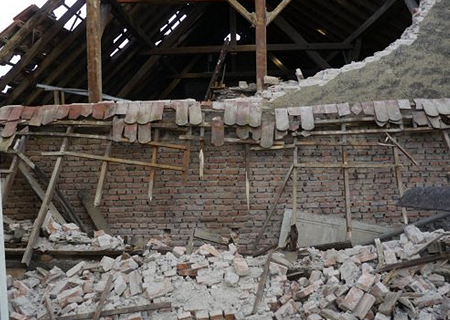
x,y
213,284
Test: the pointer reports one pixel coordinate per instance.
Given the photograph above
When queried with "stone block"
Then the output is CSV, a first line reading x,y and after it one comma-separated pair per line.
x,y
135,281
120,285
277,269
107,263
379,290
314,316
135,316
128,265
76,270
240,266
365,282
352,299
310,307
329,314
158,289
364,306
216,315
185,316
231,278
305,291
367,257
24,306
286,310
414,234
428,300
69,296
315,275
380,316
202,315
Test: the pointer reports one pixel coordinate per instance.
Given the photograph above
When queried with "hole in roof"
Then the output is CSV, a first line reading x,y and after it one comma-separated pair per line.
x,y
228,37
6,89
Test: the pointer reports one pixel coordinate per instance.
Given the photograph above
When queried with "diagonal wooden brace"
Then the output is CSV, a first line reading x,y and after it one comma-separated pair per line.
x,y
250,17
273,14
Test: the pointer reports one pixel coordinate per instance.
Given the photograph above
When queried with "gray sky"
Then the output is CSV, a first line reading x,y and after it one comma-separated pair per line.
x,y
9,9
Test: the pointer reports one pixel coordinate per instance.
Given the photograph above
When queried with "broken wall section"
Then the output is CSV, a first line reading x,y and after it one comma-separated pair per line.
x,y
414,66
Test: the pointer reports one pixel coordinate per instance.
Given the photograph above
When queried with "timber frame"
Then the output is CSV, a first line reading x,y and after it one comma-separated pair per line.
x,y
153,49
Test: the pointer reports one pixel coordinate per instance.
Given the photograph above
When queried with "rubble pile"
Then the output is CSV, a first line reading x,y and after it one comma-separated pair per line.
x,y
16,232
212,284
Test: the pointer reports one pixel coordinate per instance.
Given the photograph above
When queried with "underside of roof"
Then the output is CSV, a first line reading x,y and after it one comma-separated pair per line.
x,y
156,49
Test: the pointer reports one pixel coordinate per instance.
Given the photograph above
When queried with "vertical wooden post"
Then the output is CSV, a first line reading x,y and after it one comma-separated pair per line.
x,y
152,171
233,36
94,50
4,314
45,203
261,43
398,178
295,184
348,210
102,177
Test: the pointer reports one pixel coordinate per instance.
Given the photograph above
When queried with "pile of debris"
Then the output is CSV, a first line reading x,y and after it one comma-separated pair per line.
x,y
57,236
16,232
363,282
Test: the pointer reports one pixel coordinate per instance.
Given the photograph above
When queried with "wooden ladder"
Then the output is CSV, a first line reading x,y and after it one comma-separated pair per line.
x,y
219,66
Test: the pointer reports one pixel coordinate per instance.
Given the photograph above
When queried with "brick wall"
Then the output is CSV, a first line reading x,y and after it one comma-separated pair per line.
x,y
217,202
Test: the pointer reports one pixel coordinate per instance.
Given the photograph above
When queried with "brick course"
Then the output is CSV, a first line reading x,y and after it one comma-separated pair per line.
x,y
217,202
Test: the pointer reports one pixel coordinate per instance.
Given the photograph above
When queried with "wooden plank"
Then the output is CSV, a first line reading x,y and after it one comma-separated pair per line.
x,y
27,113
10,129
94,212
307,118
217,131
380,253
414,262
157,111
262,282
114,160
102,177
343,109
144,133
247,175
242,113
348,205
154,160
368,108
117,130
381,112
393,111
62,112
403,150
195,114
98,111
15,113
9,181
250,17
181,113
48,306
230,113
274,13
255,116
103,296
132,113
272,209
130,132
261,43
267,134
285,227
212,237
34,184
295,184
282,119
45,203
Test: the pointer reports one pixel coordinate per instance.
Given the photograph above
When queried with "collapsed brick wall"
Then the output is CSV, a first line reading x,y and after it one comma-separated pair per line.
x,y
217,202
414,66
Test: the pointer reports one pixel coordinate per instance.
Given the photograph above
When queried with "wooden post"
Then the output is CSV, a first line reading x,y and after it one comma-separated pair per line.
x,y
45,203
152,171
102,177
261,44
294,186
4,314
348,210
398,178
94,50
20,145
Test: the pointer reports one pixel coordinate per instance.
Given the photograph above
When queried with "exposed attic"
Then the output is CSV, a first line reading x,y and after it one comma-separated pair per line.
x,y
153,49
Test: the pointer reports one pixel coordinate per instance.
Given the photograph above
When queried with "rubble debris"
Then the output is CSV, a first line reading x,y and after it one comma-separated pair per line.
x,y
213,284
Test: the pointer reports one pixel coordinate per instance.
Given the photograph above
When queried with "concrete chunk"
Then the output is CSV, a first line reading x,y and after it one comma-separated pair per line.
x,y
241,266
286,310
76,270
365,282
379,290
414,234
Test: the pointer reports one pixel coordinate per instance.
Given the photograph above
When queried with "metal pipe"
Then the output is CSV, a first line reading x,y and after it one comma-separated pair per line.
x,y
3,288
